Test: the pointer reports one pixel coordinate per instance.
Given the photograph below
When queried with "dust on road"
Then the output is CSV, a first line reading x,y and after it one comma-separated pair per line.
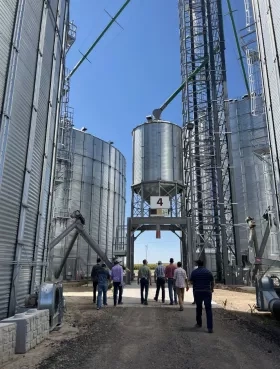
x,y
163,337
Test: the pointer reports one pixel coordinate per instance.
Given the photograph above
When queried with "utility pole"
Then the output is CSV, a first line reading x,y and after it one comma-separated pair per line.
x,y
146,252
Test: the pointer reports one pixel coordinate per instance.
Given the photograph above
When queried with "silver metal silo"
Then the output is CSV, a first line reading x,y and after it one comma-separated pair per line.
x,y
157,161
252,169
266,14
33,40
97,188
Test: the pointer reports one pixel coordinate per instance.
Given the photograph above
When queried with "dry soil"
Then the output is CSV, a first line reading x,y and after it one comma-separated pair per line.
x,y
157,336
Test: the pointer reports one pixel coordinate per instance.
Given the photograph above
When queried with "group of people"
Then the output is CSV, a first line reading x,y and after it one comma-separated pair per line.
x,y
101,276
177,281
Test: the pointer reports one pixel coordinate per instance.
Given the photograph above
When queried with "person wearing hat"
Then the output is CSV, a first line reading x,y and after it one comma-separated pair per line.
x,y
117,278
160,281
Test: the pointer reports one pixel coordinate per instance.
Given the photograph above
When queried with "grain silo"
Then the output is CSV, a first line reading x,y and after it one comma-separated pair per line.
x,y
266,14
158,190
157,160
33,42
252,171
96,186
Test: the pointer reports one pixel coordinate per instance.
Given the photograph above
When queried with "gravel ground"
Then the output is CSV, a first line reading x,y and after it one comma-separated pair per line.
x,y
141,337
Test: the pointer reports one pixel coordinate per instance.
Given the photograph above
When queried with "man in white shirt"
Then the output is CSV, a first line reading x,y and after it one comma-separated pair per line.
x,y
181,283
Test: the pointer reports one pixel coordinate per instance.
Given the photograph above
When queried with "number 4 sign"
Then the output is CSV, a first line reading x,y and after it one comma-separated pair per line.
x,y
160,202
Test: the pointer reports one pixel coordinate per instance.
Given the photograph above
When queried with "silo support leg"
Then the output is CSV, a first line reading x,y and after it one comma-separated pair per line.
x,y
94,245
72,242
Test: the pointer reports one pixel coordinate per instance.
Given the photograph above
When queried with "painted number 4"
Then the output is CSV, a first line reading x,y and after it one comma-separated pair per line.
x,y
159,202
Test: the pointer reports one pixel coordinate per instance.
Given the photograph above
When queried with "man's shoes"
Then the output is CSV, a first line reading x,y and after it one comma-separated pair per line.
x,y
155,299
176,303
171,303
198,326
210,330
181,309
193,303
120,303
146,303
163,301
98,308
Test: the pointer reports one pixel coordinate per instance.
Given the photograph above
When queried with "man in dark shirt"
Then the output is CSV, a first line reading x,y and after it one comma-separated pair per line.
x,y
103,279
94,277
203,286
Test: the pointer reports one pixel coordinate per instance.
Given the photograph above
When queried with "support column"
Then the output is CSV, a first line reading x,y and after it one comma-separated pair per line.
x,y
128,254
132,256
184,248
190,245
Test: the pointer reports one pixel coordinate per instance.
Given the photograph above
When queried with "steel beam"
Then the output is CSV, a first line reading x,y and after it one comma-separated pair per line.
x,y
157,220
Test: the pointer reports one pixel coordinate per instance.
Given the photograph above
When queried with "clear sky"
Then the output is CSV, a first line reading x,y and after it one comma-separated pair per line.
x,y
132,71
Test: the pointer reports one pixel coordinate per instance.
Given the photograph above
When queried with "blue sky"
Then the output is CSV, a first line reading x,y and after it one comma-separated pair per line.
x,y
133,71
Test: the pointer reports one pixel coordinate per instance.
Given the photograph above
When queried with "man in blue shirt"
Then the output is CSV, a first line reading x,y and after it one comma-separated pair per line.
x,y
203,287
103,279
117,278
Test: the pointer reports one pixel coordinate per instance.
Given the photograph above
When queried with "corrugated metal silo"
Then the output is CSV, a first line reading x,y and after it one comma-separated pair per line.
x,y
32,47
268,35
157,157
97,189
253,180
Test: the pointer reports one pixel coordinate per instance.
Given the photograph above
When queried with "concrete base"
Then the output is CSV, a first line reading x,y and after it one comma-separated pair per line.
x,y
32,328
7,342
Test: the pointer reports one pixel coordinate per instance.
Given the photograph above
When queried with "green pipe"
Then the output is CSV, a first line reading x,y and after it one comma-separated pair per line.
x,y
238,47
190,77
157,112
98,39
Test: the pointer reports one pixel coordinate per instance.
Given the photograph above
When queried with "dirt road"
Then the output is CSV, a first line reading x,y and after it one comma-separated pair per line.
x,y
156,336
162,337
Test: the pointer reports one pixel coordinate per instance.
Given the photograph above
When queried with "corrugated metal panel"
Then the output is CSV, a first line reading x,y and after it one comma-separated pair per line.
x,y
7,17
57,61
157,153
249,136
268,34
8,234
27,134
93,193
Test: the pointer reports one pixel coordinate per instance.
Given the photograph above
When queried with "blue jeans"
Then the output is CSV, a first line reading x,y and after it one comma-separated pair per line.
x,y
206,297
172,291
102,290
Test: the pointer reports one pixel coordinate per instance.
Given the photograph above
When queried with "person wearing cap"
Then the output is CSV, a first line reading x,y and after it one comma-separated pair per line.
x,y
94,277
203,286
117,278
103,279
160,281
144,277
169,275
